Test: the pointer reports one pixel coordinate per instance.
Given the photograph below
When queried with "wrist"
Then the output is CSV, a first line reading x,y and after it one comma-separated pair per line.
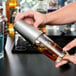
x,y
45,19
51,18
48,18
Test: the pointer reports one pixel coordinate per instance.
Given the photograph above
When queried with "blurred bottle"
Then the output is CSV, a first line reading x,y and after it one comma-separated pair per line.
x,y
10,8
27,5
31,3
23,5
3,20
10,5
61,2
53,5
43,6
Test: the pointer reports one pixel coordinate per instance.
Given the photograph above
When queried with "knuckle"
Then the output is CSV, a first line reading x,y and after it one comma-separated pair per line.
x,y
32,11
74,62
75,54
74,59
75,39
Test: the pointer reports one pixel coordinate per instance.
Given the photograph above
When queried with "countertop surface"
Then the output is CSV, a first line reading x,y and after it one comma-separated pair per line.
x,y
35,65
2,67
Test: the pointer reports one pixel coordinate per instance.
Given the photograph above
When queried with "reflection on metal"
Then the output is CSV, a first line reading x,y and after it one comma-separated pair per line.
x,y
52,30
65,30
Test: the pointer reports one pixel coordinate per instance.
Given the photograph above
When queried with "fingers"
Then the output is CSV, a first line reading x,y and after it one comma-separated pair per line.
x,y
62,62
71,58
29,21
36,24
25,14
70,45
65,60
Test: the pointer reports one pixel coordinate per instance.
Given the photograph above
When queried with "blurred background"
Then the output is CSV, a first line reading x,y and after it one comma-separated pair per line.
x,y
10,8
46,6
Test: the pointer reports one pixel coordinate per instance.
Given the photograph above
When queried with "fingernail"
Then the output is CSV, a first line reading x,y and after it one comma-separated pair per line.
x,y
35,26
64,57
65,49
56,66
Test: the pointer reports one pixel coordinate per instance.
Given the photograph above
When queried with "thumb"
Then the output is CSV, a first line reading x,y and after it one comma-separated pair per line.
x,y
70,45
70,58
36,24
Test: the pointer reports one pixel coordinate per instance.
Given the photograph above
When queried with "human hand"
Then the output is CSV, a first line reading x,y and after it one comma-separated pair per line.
x,y
71,58
32,17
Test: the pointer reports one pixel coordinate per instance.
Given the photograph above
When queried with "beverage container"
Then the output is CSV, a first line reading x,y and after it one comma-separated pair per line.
x,y
2,26
40,41
10,6
10,9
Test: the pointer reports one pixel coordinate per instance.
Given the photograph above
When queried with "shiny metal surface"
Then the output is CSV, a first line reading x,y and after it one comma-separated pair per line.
x,y
27,30
32,34
64,30
48,43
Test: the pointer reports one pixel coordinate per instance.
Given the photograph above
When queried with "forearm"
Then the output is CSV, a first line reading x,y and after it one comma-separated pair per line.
x,y
65,15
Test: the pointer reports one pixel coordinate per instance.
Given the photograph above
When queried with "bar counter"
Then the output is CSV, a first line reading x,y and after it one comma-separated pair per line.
x,y
36,64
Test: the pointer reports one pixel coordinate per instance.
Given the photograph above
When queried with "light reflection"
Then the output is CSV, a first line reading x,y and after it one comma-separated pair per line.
x,y
14,62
